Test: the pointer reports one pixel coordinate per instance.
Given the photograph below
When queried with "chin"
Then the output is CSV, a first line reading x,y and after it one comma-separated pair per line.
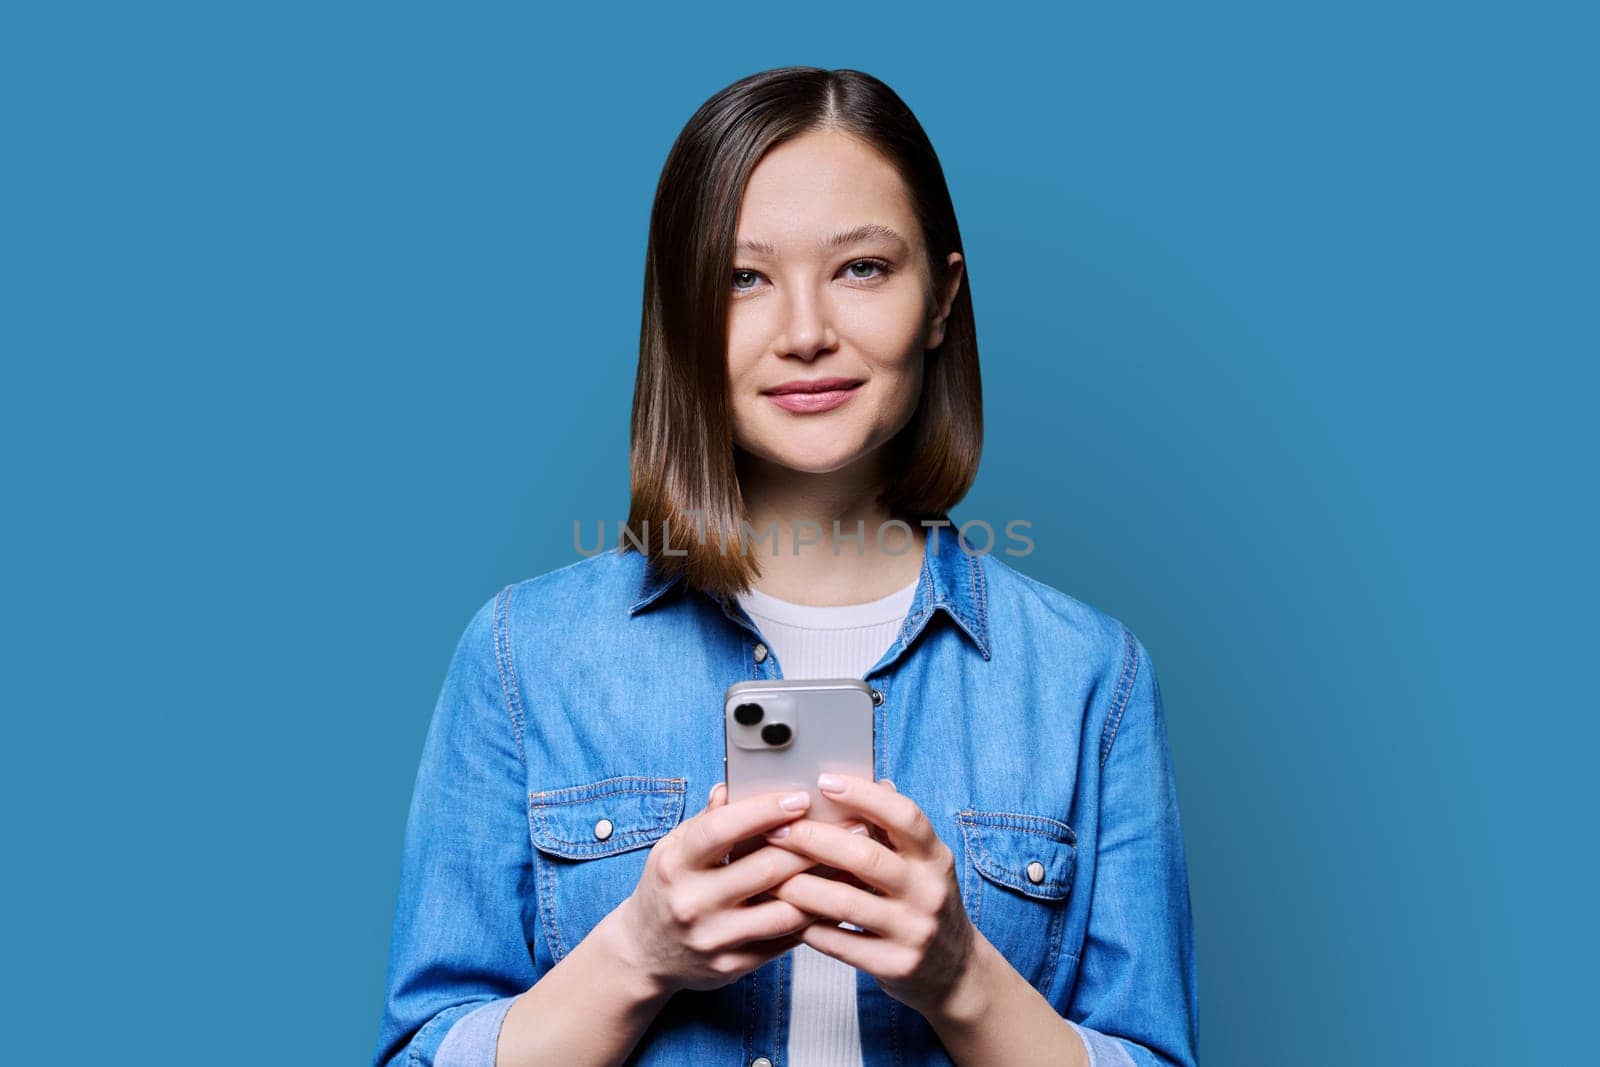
x,y
811,463
793,455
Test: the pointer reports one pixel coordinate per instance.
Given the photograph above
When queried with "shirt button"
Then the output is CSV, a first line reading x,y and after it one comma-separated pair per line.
x,y
877,697
602,829
761,656
760,1061
1035,872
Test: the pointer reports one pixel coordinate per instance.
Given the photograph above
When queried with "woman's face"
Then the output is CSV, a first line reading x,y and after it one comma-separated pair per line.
x,y
830,288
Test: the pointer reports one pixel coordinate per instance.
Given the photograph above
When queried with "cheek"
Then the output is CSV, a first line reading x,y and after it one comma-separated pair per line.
x,y
743,358
892,346
890,331
747,344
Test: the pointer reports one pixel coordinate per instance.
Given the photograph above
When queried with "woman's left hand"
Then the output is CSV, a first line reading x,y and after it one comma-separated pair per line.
x,y
919,942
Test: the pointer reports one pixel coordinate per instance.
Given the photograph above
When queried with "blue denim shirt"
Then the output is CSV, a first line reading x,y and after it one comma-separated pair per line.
x,y
1026,724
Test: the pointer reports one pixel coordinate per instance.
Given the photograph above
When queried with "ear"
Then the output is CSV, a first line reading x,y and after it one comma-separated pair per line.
x,y
949,286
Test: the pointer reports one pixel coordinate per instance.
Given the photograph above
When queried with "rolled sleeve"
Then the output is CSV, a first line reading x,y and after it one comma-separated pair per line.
x,y
473,1038
1104,1050
460,947
1136,996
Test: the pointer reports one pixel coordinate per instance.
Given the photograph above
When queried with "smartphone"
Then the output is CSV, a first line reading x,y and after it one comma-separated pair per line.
x,y
780,734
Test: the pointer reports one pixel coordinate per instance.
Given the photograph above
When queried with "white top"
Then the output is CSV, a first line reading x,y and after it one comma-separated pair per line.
x,y
843,641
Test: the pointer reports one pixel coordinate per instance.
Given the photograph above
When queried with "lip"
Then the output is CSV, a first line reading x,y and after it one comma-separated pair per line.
x,y
813,385
805,397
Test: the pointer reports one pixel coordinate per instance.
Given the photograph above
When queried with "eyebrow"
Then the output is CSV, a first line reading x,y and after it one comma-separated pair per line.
x,y
868,232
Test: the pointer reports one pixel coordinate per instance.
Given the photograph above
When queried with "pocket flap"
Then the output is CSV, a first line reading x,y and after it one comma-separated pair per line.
x,y
606,817
1032,854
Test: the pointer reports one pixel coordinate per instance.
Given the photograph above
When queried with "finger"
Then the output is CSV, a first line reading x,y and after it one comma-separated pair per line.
x,y
755,873
856,854
718,797
864,952
734,927
756,953
888,782
835,901
909,829
712,834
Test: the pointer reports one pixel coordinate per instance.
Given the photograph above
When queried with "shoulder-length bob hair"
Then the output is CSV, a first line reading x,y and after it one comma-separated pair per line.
x,y
684,486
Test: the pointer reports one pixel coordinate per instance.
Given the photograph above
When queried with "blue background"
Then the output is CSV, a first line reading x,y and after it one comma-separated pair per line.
x,y
320,325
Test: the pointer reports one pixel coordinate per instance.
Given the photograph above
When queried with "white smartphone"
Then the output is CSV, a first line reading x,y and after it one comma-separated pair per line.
x,y
780,734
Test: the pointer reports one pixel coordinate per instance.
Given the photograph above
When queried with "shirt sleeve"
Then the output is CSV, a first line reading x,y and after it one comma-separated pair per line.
x,y
1136,996
459,948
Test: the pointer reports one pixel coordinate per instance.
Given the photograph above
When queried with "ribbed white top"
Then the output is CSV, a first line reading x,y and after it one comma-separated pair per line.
x,y
844,641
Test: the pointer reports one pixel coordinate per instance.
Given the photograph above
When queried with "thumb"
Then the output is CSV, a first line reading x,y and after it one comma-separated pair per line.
x,y
718,795
888,782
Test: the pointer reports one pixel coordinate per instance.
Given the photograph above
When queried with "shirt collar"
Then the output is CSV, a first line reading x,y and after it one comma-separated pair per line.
x,y
952,581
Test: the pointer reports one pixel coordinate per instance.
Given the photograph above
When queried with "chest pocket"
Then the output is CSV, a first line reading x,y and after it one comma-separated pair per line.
x,y
590,846
1015,883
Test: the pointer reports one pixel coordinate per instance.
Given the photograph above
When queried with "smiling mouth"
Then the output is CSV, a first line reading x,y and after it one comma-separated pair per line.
x,y
804,398
818,385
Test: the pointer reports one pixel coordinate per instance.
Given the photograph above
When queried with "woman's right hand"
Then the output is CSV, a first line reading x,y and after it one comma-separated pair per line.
x,y
687,921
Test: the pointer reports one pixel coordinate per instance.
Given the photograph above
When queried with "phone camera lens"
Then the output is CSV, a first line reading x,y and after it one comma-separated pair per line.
x,y
747,714
776,733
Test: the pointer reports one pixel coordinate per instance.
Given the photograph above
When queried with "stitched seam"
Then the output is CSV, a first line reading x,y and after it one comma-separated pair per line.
x,y
827,629
987,866
980,591
749,982
988,862
966,885
932,598
913,620
894,1029
1053,937
880,732
545,837
784,992
547,896
592,792
1130,665
610,842
508,672
973,817
977,907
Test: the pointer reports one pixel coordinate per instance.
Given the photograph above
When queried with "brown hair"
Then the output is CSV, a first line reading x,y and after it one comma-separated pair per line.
x,y
684,483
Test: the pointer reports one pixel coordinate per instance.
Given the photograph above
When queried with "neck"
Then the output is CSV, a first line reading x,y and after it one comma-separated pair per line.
x,y
812,566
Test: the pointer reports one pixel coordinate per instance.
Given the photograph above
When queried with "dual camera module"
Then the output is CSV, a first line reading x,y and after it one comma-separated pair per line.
x,y
776,734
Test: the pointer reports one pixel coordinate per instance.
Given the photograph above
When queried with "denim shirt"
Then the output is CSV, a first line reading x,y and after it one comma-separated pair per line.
x,y
1025,723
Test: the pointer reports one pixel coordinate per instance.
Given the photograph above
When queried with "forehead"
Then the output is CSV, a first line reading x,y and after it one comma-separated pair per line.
x,y
817,183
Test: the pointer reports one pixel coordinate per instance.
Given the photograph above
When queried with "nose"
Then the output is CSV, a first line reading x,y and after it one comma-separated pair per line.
x,y
808,332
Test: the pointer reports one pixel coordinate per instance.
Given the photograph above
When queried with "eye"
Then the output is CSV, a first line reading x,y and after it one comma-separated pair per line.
x,y
860,270
878,265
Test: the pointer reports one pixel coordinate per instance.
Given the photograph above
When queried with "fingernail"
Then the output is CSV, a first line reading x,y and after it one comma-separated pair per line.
x,y
830,783
782,831
858,828
795,801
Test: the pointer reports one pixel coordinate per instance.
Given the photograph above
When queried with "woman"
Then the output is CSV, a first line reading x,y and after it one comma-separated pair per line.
x,y
807,411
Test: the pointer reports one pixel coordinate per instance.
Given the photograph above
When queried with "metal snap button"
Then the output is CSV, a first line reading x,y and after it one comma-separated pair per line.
x,y
761,656
602,829
877,697
1035,872
760,1061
